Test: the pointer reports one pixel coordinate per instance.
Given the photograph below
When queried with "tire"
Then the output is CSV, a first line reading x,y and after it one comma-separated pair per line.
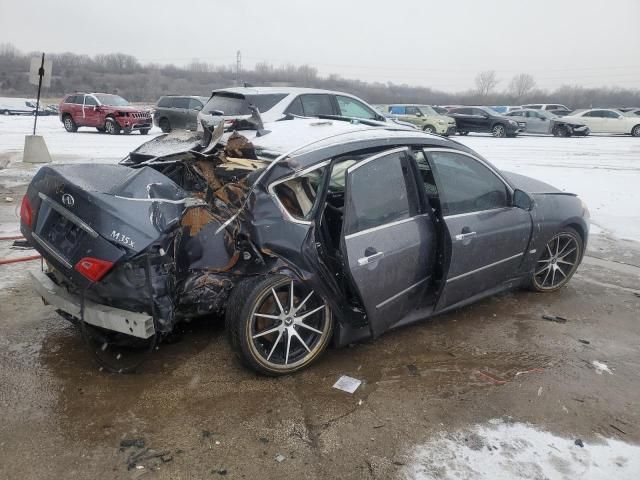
x,y
463,132
429,129
260,327
499,130
561,254
635,131
6,112
100,129
164,125
561,131
69,125
144,131
111,126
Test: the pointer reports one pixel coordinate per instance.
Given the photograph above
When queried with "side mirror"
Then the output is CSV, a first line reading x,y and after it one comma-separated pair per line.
x,y
418,114
522,200
96,108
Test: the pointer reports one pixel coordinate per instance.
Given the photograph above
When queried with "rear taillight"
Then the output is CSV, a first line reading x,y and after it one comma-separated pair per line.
x,y
26,213
93,268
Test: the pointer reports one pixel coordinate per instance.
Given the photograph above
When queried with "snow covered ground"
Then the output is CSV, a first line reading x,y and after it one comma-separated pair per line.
x,y
504,451
604,171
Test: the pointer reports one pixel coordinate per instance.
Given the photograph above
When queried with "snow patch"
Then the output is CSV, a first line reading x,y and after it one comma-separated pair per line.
x,y
508,451
601,367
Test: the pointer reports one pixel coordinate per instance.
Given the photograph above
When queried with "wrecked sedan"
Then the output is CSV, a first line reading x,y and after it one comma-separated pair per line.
x,y
298,234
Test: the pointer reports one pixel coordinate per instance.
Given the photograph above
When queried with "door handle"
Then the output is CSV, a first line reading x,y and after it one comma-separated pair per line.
x,y
374,257
465,236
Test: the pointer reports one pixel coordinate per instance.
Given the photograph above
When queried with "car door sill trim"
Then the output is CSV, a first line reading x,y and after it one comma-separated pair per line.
x,y
452,279
402,292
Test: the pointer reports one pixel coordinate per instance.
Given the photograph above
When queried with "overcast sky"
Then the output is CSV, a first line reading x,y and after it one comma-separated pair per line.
x,y
442,44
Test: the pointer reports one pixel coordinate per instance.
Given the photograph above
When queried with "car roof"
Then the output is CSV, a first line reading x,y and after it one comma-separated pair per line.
x,y
277,90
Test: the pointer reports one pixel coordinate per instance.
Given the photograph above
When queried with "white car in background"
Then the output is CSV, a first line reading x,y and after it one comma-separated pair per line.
x,y
607,120
555,108
276,103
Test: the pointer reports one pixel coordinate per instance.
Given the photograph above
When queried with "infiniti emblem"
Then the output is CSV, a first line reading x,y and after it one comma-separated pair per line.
x,y
68,200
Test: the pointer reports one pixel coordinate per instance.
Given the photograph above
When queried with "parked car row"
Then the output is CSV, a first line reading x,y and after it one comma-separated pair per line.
x,y
24,106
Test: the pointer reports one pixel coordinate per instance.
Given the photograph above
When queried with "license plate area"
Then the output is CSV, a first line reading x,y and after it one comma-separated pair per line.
x,y
62,234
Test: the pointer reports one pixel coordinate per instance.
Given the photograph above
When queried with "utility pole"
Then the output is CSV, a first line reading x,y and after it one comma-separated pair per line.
x,y
238,66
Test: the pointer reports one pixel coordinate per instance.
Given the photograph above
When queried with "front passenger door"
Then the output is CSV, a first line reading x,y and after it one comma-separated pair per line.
x,y
388,240
487,236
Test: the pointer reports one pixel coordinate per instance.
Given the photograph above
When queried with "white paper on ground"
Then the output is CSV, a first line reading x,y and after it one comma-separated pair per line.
x,y
347,384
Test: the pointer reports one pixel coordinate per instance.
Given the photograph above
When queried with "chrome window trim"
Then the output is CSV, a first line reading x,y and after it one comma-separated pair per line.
x,y
383,226
296,174
51,250
70,216
477,212
466,274
402,292
357,165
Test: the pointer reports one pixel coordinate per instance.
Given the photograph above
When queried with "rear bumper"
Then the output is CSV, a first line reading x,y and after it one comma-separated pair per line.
x,y
131,323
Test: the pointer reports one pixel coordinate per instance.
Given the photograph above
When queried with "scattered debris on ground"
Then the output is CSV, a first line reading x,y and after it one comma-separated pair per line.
x,y
347,384
601,367
280,458
555,318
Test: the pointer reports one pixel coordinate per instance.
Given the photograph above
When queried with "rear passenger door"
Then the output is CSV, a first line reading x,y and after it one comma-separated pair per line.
x,y
388,241
191,121
487,237
179,115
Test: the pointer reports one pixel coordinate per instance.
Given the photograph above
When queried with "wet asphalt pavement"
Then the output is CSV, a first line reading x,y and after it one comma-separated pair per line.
x,y
194,412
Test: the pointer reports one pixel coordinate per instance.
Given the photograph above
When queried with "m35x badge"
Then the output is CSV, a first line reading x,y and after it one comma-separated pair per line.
x,y
68,200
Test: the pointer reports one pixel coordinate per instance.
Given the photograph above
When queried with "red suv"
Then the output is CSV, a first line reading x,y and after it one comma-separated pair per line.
x,y
106,112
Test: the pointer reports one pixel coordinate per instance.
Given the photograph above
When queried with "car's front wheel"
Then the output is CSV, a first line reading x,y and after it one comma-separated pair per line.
x,y
635,131
499,131
558,261
69,124
112,127
277,325
429,129
164,125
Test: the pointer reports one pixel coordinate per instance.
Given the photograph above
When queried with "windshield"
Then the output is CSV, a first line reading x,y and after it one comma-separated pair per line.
x,y
112,100
427,110
231,104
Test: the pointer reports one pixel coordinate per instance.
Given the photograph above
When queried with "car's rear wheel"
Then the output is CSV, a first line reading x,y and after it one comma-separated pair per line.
x,y
112,127
499,131
165,126
6,112
558,261
144,131
463,132
69,124
635,131
277,325
429,129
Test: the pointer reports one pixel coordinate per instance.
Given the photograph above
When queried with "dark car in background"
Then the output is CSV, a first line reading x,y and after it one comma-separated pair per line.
x,y
545,122
178,112
485,120
300,233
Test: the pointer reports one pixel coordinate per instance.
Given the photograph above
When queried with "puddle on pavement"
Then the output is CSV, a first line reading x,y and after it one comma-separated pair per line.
x,y
503,450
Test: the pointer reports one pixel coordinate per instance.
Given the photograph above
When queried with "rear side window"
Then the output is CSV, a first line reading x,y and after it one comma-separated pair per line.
x,y
265,102
227,103
397,110
298,195
165,102
316,104
73,99
466,185
387,176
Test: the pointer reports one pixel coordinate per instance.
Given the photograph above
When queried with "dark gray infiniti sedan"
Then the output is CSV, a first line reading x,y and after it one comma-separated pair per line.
x,y
298,233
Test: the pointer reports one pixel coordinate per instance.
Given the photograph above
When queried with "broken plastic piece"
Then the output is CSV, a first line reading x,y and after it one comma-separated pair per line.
x,y
280,458
555,318
347,384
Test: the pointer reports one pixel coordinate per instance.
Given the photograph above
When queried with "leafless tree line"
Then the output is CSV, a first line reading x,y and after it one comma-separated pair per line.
x,y
124,74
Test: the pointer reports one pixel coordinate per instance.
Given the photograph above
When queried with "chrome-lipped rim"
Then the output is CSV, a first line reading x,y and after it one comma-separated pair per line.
x,y
68,124
498,131
109,127
429,130
288,326
558,261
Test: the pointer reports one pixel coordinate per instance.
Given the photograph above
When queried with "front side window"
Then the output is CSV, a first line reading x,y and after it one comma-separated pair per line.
x,y
466,185
111,100
194,104
298,195
610,114
378,193
350,107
